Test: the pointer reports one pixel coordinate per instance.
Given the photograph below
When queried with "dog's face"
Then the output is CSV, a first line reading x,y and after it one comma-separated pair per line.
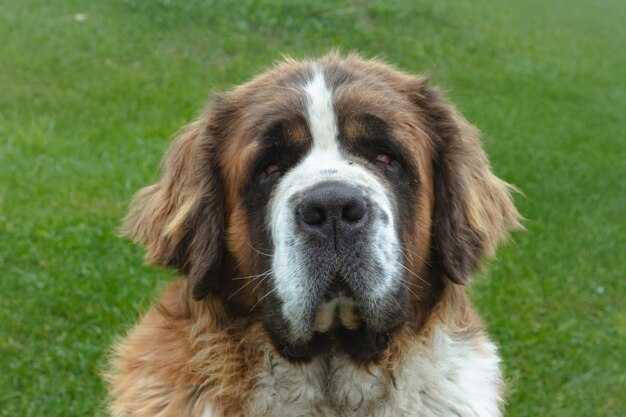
x,y
346,191
336,191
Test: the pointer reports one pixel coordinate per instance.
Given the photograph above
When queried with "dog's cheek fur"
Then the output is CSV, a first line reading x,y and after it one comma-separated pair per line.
x,y
235,162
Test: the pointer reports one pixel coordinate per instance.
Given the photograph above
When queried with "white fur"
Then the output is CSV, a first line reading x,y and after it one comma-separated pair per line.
x,y
209,412
321,115
325,162
443,377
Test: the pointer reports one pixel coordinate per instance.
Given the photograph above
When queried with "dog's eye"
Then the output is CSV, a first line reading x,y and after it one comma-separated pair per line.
x,y
271,169
383,158
388,163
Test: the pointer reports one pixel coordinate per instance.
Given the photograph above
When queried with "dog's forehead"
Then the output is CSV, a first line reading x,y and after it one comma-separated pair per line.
x,y
285,96
293,99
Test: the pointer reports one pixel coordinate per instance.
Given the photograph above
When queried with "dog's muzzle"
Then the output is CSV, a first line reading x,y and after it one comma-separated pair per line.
x,y
336,244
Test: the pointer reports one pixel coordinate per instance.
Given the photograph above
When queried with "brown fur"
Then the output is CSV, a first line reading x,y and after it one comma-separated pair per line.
x,y
201,345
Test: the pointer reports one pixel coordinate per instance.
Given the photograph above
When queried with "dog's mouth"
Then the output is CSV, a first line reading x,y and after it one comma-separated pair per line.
x,y
339,326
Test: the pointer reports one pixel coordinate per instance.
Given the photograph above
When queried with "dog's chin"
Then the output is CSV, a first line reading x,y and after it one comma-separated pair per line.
x,y
339,327
362,345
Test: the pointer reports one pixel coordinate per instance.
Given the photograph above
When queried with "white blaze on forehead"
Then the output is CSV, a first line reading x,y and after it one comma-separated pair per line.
x,y
321,114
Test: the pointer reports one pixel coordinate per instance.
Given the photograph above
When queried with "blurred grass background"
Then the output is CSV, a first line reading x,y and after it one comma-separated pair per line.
x,y
91,93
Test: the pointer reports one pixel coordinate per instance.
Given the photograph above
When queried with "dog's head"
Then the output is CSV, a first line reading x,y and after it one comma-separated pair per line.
x,y
337,197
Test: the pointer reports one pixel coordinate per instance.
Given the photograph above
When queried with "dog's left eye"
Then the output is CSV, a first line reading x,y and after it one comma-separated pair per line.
x,y
388,163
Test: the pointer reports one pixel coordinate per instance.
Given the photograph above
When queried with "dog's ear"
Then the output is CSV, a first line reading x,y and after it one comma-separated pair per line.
x,y
180,219
473,209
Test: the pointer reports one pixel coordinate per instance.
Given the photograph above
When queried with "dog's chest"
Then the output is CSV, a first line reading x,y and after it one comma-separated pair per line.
x,y
447,378
326,387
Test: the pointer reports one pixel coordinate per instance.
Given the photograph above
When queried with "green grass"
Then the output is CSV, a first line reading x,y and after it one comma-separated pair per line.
x,y
87,109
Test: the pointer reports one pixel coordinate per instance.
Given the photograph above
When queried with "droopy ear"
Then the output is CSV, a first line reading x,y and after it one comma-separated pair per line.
x,y
180,218
473,209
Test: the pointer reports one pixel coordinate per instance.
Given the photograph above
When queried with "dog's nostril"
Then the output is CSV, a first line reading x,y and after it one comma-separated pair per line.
x,y
312,215
354,211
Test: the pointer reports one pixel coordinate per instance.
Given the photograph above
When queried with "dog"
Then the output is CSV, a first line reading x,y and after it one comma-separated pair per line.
x,y
324,218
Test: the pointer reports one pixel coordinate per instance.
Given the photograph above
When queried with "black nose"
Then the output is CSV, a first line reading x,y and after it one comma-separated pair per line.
x,y
334,211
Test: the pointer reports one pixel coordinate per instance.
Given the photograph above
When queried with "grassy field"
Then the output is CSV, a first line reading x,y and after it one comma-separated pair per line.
x,y
91,92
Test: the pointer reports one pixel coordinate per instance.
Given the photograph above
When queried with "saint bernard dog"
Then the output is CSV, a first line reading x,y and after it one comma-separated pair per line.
x,y
324,218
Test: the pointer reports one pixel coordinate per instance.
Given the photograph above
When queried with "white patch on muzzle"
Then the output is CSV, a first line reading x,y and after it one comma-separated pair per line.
x,y
325,163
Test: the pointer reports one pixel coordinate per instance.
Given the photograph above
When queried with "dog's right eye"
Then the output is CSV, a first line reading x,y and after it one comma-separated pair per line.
x,y
384,159
271,169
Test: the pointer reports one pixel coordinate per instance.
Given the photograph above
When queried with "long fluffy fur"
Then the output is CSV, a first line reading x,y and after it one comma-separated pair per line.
x,y
194,354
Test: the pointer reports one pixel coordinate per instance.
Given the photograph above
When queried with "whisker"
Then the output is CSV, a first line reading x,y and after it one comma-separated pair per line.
x,y
240,288
396,301
410,290
258,251
253,276
414,274
261,299
265,274
411,283
421,258
406,257
259,283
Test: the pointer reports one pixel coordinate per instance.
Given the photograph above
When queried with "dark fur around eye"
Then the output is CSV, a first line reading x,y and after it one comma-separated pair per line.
x,y
279,150
375,143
